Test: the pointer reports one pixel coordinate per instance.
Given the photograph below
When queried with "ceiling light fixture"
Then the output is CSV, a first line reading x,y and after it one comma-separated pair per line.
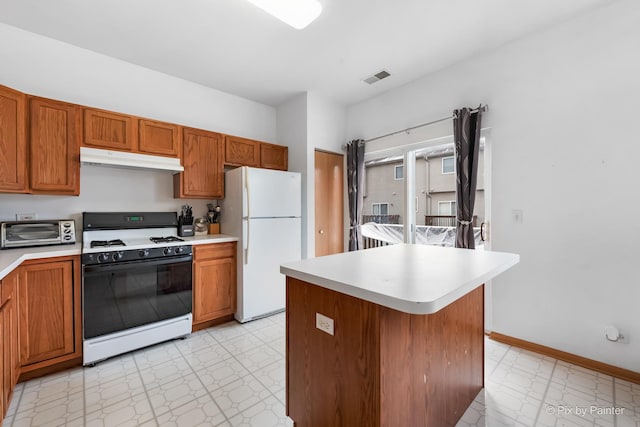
x,y
297,13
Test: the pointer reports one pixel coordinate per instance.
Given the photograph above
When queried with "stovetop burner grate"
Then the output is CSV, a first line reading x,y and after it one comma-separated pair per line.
x,y
106,243
166,239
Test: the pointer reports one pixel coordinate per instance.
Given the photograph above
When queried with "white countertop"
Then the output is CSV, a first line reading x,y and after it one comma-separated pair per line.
x,y
416,279
12,258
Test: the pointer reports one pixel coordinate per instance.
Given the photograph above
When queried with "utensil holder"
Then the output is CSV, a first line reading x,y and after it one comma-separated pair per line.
x,y
214,228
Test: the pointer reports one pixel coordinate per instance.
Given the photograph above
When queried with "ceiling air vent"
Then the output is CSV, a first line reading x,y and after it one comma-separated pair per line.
x,y
377,77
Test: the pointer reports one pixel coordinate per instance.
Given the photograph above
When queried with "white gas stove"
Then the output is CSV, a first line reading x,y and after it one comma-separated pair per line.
x,y
137,287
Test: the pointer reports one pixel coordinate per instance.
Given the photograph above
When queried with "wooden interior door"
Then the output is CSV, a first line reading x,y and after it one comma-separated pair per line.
x,y
329,202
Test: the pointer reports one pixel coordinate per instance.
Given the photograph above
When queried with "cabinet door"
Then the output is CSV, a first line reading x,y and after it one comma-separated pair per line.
x,y
46,311
214,281
112,131
159,138
11,361
13,141
274,156
214,292
53,147
203,176
241,151
3,406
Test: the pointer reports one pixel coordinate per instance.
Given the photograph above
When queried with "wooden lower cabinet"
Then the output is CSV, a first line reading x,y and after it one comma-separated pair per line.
x,y
3,402
214,283
381,367
11,359
49,310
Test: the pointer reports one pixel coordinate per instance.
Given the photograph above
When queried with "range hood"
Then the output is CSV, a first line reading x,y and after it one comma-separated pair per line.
x,y
95,156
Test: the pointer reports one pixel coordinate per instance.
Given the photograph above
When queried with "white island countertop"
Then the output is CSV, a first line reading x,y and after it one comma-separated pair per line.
x,y
416,279
12,258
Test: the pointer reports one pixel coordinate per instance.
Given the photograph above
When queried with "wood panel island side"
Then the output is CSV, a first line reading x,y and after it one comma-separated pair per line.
x,y
391,336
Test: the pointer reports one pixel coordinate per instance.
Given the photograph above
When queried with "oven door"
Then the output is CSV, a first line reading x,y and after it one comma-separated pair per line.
x,y
125,295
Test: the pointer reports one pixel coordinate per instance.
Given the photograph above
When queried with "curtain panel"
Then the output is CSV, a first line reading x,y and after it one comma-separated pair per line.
x,y
355,185
466,135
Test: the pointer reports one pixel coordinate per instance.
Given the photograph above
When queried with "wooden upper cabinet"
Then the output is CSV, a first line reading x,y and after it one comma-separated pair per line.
x,y
274,156
241,151
13,141
159,138
111,131
202,157
54,149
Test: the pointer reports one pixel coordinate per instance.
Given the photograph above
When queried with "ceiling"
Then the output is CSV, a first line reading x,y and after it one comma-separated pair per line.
x,y
232,46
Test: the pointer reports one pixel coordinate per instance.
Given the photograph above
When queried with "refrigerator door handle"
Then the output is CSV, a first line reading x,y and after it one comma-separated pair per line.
x,y
246,186
248,233
245,242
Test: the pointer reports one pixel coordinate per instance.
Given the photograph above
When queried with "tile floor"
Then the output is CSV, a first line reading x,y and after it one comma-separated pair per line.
x,y
233,375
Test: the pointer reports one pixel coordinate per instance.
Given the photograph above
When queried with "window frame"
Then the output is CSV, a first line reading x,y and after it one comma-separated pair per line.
x,y
454,165
379,204
395,172
451,203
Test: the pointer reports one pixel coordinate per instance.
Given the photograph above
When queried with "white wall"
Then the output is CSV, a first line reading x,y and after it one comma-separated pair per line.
x,y
45,67
306,122
563,108
103,189
292,131
327,122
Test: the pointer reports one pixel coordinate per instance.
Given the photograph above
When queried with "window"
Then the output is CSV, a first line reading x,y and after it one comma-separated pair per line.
x,y
448,165
398,172
380,208
447,208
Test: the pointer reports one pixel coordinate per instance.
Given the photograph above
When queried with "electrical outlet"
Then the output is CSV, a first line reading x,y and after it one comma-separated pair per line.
x,y
324,323
26,216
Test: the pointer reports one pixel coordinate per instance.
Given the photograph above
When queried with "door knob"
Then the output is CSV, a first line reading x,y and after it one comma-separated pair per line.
x,y
321,231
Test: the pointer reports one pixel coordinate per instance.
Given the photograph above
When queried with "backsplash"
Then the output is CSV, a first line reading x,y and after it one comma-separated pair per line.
x,y
104,189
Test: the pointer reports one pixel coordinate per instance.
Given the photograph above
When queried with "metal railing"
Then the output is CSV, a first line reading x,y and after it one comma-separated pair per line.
x,y
376,235
381,219
370,242
445,220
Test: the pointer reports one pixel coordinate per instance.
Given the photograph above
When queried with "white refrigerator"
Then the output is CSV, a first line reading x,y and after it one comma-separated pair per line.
x,y
262,208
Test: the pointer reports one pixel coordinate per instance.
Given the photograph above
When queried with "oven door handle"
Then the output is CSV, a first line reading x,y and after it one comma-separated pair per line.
x,y
125,265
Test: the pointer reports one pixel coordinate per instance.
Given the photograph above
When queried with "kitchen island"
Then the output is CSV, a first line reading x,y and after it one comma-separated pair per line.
x,y
391,336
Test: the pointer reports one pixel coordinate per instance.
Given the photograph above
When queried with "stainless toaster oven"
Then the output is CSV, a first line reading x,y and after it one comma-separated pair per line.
x,y
20,234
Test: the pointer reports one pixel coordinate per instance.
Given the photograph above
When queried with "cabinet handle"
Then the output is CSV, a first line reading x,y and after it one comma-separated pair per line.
x,y
321,231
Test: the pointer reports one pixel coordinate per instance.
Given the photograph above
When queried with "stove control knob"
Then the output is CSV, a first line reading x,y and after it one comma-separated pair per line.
x,y
118,256
179,249
168,251
143,253
103,257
